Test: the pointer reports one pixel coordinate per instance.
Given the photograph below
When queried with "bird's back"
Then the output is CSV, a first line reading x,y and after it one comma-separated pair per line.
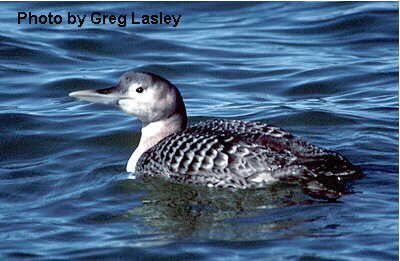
x,y
238,154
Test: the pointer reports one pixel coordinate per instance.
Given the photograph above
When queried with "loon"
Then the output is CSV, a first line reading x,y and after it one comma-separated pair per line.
x,y
217,153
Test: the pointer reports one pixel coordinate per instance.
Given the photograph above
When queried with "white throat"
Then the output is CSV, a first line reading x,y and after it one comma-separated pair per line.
x,y
153,133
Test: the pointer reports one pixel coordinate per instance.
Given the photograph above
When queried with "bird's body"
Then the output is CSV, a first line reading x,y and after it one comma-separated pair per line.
x,y
216,153
238,154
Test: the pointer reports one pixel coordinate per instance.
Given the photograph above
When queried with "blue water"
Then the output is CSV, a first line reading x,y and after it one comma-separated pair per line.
x,y
327,72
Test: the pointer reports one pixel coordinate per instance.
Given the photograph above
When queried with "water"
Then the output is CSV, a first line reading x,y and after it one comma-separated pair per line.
x,y
327,72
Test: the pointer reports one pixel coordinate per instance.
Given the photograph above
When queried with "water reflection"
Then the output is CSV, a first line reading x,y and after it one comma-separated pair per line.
x,y
184,211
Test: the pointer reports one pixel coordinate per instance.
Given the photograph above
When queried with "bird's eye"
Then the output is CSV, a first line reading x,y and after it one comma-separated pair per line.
x,y
139,90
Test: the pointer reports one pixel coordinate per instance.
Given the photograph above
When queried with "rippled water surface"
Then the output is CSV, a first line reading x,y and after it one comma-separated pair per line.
x,y
327,72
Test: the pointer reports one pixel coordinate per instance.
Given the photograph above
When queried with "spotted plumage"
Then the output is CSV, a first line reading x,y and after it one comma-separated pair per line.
x,y
237,154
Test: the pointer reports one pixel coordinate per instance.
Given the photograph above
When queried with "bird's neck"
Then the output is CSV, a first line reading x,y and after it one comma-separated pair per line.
x,y
153,133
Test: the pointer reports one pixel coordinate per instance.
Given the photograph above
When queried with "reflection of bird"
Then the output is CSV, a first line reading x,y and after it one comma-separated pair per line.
x,y
217,153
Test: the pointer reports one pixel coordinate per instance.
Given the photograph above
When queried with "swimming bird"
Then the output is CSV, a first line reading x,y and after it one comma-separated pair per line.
x,y
217,153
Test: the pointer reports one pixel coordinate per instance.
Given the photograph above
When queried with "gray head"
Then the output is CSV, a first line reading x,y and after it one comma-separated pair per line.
x,y
144,95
